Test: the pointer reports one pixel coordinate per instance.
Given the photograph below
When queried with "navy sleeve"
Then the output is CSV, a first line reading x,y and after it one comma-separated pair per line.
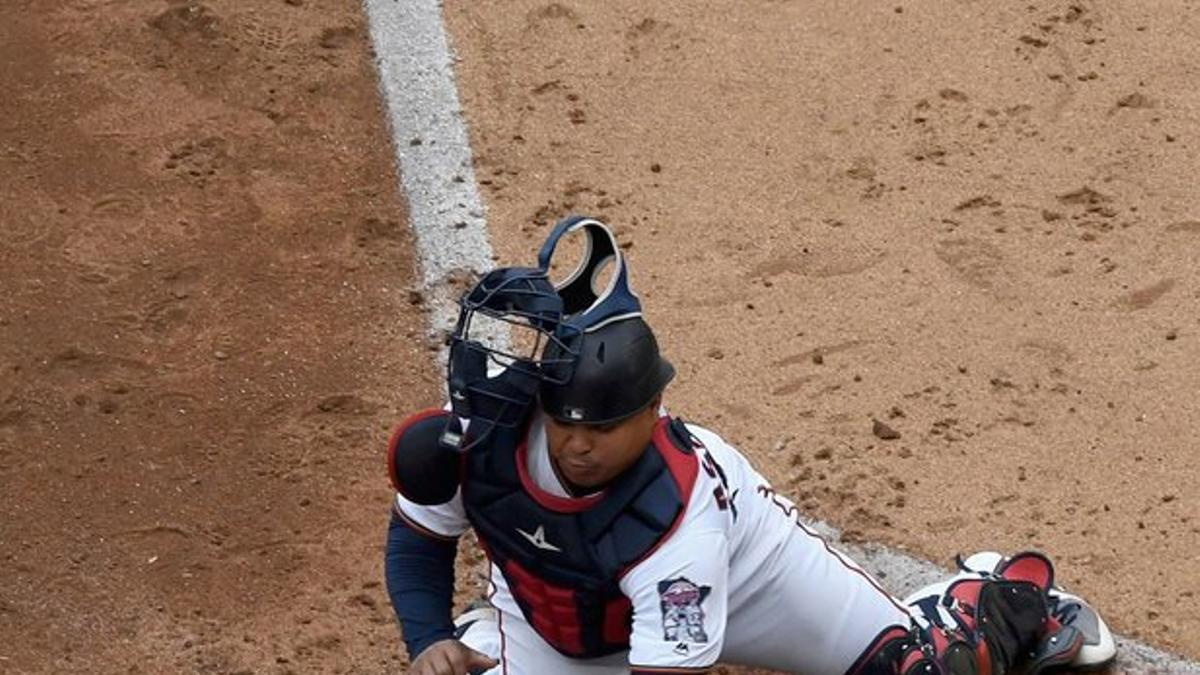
x,y
420,580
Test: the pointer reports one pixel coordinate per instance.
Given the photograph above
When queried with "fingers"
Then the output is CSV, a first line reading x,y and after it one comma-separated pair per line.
x,y
451,657
435,661
477,660
448,665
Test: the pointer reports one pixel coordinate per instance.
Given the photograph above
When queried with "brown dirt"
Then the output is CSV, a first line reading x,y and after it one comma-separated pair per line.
x,y
973,223
205,336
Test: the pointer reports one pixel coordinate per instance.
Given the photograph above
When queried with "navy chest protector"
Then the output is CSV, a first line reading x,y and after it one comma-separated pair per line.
x,y
563,558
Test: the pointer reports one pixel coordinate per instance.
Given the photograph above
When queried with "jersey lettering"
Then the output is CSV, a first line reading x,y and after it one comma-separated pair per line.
x,y
721,494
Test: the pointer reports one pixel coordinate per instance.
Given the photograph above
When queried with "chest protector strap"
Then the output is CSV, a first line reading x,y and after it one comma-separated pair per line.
x,y
563,558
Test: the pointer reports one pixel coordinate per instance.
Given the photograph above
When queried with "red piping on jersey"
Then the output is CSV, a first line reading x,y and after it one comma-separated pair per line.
x,y
419,528
545,499
684,468
856,570
503,643
394,443
491,595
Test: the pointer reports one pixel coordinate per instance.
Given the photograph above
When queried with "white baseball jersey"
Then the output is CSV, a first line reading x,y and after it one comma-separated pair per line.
x,y
740,580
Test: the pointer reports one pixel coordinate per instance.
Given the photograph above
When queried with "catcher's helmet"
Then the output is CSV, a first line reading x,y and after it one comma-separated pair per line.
x,y
494,385
491,383
616,372
606,365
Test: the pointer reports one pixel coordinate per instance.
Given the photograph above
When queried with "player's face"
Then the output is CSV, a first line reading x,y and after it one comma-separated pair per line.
x,y
588,456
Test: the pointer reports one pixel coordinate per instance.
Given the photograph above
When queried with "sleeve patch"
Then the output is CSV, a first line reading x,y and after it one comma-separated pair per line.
x,y
682,615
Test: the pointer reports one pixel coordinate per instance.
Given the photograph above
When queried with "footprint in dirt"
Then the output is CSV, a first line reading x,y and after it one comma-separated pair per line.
x,y
1185,227
12,412
651,35
121,204
190,21
979,263
198,161
268,36
90,365
1145,297
1084,196
337,38
345,404
551,12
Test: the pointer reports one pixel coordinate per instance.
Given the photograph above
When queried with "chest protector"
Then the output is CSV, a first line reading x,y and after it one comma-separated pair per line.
x,y
563,558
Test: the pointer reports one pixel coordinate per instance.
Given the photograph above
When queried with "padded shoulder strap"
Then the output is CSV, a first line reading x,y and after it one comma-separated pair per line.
x,y
420,466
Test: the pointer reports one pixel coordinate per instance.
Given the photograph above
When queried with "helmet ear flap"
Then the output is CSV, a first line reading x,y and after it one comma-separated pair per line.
x,y
583,305
578,290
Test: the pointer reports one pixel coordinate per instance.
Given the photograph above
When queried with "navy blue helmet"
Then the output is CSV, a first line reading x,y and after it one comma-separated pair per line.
x,y
493,380
606,364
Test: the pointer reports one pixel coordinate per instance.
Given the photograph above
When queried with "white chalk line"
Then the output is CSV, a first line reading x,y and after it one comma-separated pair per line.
x,y
434,160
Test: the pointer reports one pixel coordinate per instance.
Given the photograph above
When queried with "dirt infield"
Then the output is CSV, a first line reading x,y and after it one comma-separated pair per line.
x,y
974,224
206,333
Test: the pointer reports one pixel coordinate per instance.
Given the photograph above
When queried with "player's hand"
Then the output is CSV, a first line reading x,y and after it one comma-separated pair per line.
x,y
451,657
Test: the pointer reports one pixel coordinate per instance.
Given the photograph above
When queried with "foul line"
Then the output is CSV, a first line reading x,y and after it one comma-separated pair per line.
x,y
433,151
433,155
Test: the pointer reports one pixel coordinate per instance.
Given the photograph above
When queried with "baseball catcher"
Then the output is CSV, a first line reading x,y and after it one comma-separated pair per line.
x,y
621,539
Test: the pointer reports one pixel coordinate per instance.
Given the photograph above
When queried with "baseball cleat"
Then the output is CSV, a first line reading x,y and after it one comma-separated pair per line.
x,y
1098,650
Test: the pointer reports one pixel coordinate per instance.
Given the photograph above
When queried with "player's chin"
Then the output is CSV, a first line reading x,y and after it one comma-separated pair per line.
x,y
583,474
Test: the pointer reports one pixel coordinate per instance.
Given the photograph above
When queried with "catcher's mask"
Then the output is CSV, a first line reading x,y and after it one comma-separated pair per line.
x,y
496,351
605,365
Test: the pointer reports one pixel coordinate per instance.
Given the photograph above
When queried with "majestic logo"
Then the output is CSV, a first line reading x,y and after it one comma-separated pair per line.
x,y
538,539
458,395
682,616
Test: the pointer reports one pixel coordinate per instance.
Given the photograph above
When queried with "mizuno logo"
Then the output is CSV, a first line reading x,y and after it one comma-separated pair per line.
x,y
538,539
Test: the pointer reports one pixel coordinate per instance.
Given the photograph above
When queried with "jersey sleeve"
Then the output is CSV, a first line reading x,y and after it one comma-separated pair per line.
x,y
440,521
680,600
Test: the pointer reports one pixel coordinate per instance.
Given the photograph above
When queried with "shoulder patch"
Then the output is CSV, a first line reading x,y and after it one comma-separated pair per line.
x,y
682,614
